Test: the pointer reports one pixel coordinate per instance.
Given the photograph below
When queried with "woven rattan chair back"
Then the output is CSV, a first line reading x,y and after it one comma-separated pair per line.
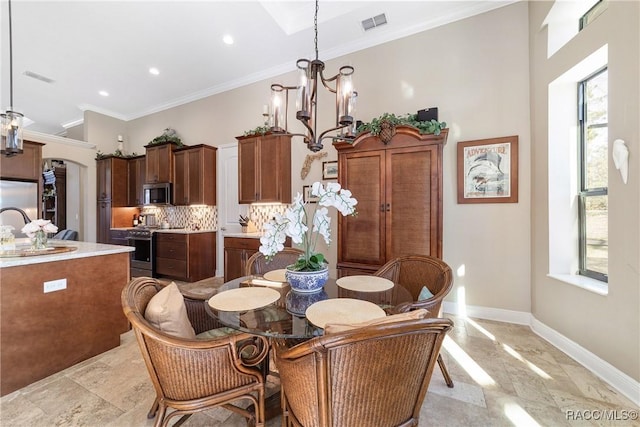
x,y
372,376
415,271
258,264
191,375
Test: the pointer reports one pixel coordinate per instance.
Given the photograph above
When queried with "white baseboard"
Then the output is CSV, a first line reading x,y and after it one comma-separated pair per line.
x,y
603,369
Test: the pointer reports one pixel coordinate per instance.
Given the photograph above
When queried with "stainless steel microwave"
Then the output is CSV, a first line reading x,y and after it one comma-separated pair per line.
x,y
157,194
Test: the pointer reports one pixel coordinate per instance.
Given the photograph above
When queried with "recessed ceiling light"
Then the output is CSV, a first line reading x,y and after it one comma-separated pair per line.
x,y
227,39
104,93
154,71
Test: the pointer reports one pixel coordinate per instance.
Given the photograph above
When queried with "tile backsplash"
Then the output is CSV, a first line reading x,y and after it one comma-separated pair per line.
x,y
205,217
261,214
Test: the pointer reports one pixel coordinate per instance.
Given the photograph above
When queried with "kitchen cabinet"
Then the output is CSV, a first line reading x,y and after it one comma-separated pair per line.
x,y
159,163
118,237
264,169
112,191
237,250
103,217
185,256
137,178
399,191
112,180
194,180
26,166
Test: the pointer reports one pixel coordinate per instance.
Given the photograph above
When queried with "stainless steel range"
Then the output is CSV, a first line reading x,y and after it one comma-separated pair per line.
x,y
143,257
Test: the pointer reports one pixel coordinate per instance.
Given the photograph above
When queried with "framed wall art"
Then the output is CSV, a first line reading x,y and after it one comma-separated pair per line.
x,y
306,195
330,170
488,170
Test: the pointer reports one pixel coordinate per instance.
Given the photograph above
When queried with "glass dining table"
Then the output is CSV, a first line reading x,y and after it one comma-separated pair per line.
x,y
285,318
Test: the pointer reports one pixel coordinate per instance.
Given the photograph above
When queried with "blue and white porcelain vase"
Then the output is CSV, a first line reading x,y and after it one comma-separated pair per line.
x,y
297,303
307,281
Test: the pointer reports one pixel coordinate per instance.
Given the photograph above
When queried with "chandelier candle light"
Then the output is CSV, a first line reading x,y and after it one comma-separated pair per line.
x,y
295,224
311,72
11,121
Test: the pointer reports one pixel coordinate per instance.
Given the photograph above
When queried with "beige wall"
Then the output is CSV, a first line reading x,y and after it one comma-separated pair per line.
x,y
476,72
607,326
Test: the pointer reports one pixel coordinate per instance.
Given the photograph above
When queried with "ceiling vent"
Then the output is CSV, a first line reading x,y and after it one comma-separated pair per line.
x,y
376,21
38,77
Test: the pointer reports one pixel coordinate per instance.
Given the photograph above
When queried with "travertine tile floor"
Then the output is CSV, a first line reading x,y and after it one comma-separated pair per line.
x,y
504,375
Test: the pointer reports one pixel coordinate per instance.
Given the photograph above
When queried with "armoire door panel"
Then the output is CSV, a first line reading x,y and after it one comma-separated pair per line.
x,y
409,221
364,177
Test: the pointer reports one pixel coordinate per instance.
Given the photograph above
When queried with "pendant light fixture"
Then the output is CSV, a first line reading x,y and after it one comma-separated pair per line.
x,y
11,121
311,73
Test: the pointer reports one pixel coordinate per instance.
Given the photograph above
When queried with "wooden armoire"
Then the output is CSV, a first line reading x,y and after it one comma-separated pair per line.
x,y
398,186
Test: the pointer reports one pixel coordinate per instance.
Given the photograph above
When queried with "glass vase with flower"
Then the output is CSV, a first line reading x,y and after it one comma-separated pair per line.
x,y
37,231
310,272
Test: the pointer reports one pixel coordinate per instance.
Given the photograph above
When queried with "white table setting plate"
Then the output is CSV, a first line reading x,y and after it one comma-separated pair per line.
x,y
243,299
275,275
342,310
364,283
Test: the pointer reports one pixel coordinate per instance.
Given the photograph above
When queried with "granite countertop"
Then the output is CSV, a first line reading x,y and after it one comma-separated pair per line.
x,y
255,235
184,230
84,250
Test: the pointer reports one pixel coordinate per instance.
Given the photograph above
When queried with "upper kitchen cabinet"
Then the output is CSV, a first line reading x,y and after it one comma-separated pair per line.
x,y
159,163
399,191
26,166
194,180
112,180
264,169
137,178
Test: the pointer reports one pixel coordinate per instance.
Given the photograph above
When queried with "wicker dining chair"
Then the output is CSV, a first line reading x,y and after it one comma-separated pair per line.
x,y
193,375
371,376
258,264
413,272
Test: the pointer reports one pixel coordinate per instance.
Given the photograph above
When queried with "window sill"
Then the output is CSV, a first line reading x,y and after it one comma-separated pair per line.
x,y
586,283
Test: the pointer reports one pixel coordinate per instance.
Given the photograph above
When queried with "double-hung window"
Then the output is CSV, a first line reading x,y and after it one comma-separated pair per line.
x,y
593,170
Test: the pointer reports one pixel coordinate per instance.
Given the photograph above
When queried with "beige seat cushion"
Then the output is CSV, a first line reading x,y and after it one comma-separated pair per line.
x,y
167,312
333,328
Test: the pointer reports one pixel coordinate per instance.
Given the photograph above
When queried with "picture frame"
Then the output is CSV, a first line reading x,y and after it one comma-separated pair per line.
x,y
306,195
488,170
330,170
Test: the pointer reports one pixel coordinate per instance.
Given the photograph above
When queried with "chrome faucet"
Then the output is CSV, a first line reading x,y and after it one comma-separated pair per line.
x,y
23,213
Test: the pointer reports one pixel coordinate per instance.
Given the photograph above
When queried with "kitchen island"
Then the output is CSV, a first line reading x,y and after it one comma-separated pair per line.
x,y
59,309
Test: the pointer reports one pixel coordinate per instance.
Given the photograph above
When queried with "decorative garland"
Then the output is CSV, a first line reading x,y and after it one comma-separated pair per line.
x,y
377,124
260,130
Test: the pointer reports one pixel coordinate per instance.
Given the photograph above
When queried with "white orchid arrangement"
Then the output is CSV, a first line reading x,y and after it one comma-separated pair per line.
x,y
37,225
295,224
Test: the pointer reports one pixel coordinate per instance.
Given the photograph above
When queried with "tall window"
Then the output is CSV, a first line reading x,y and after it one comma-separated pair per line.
x,y
593,167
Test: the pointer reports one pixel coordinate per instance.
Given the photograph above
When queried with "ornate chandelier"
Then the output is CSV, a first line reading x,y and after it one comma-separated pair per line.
x,y
11,121
311,72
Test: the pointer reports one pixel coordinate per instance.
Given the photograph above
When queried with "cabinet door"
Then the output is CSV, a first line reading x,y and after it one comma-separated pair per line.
x,y
151,166
103,179
119,182
27,165
247,170
181,178
136,180
362,237
103,226
165,163
411,201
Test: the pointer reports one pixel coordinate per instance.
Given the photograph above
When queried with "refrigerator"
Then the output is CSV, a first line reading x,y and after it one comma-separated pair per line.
x,y
18,194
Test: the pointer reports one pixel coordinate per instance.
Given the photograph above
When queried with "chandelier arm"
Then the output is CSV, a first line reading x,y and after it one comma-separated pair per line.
x,y
322,135
325,81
